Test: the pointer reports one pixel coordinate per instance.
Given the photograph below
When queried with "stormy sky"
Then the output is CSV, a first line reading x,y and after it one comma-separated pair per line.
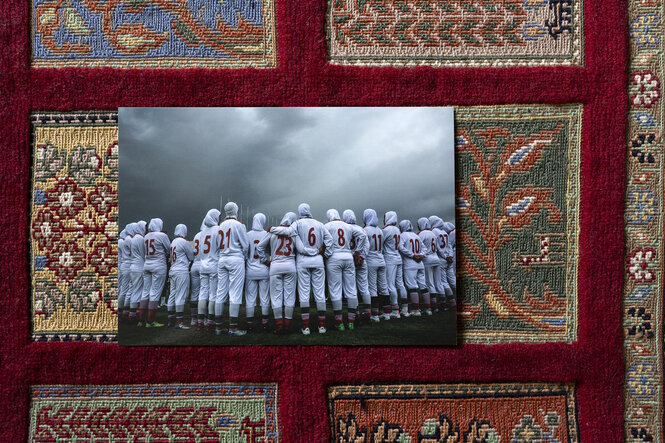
x,y
176,163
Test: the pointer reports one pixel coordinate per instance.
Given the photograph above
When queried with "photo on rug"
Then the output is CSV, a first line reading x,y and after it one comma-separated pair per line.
x,y
287,226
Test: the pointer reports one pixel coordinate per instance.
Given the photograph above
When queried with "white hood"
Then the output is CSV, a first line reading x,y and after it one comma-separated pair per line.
x,y
288,219
390,218
349,216
435,222
332,214
231,210
304,210
405,226
140,227
370,218
211,218
181,231
258,222
156,225
423,223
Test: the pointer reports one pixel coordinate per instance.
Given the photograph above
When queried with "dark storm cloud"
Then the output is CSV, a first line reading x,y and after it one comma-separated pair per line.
x,y
175,163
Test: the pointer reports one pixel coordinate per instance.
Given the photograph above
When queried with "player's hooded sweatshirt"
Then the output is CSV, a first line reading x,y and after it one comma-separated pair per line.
x,y
350,217
209,248
342,235
232,235
450,229
157,247
428,243
391,239
181,252
125,248
282,249
409,246
450,241
441,237
374,239
137,258
197,249
313,236
255,269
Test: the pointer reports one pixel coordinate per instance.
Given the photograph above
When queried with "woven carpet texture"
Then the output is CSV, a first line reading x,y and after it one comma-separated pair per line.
x,y
586,353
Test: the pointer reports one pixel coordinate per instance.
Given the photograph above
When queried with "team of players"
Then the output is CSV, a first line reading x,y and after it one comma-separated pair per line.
x,y
392,271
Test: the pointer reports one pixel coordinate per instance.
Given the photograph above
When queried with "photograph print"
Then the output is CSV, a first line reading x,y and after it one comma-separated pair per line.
x,y
287,226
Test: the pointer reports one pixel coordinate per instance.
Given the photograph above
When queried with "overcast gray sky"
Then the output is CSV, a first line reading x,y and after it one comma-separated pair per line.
x,y
175,163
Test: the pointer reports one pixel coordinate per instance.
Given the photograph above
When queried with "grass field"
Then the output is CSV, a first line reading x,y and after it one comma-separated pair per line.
x,y
437,329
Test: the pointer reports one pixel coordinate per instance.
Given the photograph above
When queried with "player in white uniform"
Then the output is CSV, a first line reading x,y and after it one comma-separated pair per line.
x,y
431,262
282,264
317,243
450,258
233,248
257,275
182,256
442,240
137,259
157,251
340,268
124,250
394,268
376,265
411,247
359,258
209,253
195,279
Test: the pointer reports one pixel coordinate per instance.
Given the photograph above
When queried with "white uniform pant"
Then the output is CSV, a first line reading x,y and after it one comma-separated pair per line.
x,y
136,288
395,281
230,280
251,289
443,277
153,284
283,290
414,278
317,277
179,287
361,280
341,274
433,279
449,274
124,288
208,290
377,283
195,284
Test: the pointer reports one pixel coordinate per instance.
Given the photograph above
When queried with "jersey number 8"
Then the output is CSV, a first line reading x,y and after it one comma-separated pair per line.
x,y
341,240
